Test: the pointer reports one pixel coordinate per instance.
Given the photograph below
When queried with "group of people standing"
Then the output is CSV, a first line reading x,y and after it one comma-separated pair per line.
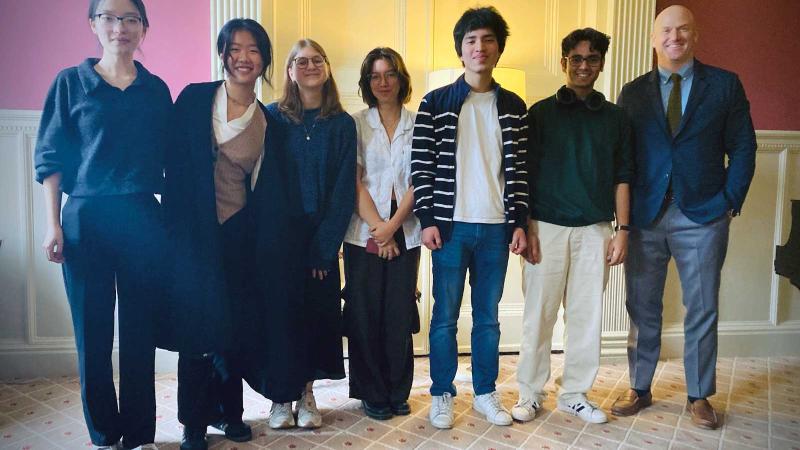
x,y
237,267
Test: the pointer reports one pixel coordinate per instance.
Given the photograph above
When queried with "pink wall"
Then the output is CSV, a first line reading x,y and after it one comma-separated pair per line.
x,y
38,38
757,39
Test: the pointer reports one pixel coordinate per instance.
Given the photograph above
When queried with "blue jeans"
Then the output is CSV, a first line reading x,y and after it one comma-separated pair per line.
x,y
481,248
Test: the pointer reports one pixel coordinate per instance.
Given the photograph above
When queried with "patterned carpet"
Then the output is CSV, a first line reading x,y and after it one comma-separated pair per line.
x,y
759,399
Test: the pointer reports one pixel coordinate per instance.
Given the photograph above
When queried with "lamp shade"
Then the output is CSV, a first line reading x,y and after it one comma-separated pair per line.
x,y
511,79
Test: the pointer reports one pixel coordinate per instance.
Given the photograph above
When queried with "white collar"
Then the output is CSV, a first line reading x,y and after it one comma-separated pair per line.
x,y
405,123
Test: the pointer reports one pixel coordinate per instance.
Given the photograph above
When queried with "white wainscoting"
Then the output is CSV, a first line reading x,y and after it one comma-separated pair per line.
x,y
760,312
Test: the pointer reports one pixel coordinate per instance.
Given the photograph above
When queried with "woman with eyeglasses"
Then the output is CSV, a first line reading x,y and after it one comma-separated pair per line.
x,y
212,170
382,244
319,139
102,142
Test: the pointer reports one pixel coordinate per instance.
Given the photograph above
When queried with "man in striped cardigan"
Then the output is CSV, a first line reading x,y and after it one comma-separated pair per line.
x,y
470,189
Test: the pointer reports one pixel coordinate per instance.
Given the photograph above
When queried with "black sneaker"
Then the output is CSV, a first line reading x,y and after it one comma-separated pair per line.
x,y
194,439
400,408
235,431
377,411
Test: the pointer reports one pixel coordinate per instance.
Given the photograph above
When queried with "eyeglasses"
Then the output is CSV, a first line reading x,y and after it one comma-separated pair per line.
x,y
109,20
591,60
376,77
301,62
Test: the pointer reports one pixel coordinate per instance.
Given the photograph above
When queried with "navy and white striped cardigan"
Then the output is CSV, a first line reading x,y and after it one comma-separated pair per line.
x,y
433,156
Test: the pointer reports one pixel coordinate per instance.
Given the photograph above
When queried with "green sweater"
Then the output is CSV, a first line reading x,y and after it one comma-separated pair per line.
x,y
576,157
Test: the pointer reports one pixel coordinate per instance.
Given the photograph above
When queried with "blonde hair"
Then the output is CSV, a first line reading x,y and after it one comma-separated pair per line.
x,y
291,105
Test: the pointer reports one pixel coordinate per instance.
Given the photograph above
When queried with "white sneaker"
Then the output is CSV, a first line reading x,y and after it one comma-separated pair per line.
x,y
584,409
525,410
280,416
490,406
308,415
106,447
441,413
145,447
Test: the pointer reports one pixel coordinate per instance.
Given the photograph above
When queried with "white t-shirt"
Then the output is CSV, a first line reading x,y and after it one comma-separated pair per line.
x,y
387,168
479,161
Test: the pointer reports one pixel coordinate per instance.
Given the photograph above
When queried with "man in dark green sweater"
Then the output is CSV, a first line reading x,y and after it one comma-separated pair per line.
x,y
579,169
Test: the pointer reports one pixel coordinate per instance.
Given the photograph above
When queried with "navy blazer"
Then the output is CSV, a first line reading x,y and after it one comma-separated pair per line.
x,y
715,124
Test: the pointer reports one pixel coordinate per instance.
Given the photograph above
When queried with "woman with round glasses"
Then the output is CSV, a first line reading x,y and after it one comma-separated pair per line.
x,y
102,142
382,244
319,139
212,170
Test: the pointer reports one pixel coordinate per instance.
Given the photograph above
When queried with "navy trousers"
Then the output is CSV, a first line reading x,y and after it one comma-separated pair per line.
x,y
111,249
699,252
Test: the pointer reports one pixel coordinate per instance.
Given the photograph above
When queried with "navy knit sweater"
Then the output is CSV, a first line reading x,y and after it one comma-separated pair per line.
x,y
103,140
326,165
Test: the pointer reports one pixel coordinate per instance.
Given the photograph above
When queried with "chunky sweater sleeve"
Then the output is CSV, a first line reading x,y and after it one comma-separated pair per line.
x,y
341,198
55,145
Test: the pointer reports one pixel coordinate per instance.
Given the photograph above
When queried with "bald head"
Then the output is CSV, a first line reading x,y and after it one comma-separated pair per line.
x,y
674,37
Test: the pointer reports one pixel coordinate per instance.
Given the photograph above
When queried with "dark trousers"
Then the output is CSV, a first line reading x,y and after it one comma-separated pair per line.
x,y
112,257
380,315
210,386
209,389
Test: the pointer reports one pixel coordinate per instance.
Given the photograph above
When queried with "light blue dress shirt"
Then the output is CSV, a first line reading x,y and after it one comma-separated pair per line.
x,y
687,74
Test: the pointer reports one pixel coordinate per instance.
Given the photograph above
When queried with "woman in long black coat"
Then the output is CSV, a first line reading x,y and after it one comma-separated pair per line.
x,y
217,162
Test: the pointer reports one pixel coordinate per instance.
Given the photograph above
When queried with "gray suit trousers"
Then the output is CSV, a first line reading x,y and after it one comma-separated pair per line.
x,y
699,252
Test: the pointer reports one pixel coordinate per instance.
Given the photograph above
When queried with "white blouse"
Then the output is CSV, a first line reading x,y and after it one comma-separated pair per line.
x,y
386,167
224,130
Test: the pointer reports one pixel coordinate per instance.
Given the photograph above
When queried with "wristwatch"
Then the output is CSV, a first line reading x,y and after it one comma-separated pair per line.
x,y
622,227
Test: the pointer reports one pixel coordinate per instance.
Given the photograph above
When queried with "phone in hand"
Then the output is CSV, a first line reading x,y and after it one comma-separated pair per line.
x,y
372,246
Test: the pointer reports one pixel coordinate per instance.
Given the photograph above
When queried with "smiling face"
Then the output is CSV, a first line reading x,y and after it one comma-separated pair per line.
x,y
674,37
384,82
581,77
303,70
244,64
118,37
480,51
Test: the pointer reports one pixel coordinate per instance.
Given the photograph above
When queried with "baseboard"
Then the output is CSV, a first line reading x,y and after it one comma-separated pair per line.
x,y
23,365
741,338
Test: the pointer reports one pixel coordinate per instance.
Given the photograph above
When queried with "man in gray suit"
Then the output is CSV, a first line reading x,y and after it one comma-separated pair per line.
x,y
687,118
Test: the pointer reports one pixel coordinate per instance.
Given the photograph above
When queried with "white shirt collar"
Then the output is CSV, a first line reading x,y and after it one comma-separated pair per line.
x,y
405,124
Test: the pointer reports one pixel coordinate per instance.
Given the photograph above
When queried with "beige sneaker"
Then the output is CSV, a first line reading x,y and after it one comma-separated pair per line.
x,y
308,415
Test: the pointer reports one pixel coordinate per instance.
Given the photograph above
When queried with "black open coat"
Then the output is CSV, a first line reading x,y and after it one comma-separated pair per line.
x,y
266,324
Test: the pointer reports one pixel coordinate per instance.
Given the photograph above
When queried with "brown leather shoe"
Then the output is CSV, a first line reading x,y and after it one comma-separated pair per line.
x,y
703,414
630,403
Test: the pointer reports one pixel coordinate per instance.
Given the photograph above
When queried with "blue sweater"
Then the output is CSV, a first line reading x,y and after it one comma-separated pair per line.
x,y
433,156
103,140
326,168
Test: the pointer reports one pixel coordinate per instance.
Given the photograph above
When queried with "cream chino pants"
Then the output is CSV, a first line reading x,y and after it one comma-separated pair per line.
x,y
573,270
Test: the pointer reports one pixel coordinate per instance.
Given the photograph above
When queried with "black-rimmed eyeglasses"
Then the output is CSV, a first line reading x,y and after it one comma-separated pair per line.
x,y
110,20
591,60
301,62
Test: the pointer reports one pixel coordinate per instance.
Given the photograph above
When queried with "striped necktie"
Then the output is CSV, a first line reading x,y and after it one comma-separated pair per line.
x,y
674,104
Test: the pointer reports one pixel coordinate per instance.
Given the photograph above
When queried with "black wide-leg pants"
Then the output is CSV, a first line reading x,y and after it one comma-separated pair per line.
x,y
380,314
112,250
